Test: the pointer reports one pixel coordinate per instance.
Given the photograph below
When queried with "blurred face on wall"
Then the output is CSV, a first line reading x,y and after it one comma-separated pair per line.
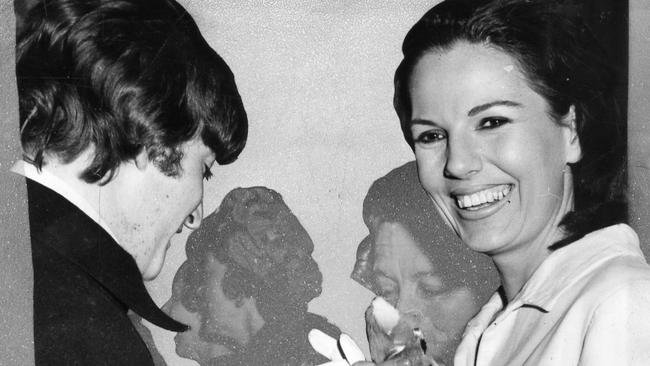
x,y
189,344
226,321
405,277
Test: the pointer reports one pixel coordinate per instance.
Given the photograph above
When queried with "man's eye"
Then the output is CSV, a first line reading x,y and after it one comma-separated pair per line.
x,y
429,137
493,122
207,173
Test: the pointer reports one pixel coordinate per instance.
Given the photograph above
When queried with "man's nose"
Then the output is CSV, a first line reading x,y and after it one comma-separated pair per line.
x,y
193,220
463,159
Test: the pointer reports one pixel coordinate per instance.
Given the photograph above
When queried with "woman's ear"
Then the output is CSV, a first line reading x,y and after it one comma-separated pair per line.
x,y
571,138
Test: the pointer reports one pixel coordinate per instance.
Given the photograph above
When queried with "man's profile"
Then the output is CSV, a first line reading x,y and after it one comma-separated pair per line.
x,y
248,278
124,108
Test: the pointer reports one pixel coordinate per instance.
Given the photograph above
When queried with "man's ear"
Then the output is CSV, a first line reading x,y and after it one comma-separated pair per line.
x,y
571,138
142,159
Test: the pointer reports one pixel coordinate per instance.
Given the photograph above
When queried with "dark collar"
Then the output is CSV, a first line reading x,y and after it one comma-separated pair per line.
x,y
79,239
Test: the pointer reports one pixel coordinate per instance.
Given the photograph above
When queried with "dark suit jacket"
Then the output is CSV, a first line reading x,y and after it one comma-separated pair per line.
x,y
84,283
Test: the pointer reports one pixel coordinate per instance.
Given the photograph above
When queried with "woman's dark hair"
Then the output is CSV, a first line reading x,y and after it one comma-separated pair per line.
x,y
564,63
123,76
399,198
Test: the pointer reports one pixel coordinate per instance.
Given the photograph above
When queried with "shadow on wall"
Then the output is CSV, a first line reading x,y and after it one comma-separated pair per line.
x,y
245,286
418,264
249,276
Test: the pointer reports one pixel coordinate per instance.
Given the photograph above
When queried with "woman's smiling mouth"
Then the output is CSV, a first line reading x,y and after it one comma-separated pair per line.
x,y
484,198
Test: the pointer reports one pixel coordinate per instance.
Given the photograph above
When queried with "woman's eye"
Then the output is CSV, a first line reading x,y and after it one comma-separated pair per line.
x,y
431,136
428,292
207,173
431,288
493,122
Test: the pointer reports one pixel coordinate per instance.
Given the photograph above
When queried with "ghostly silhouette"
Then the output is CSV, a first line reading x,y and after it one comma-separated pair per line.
x,y
189,344
245,286
417,263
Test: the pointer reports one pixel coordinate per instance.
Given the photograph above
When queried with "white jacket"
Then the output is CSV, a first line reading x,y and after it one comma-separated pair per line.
x,y
587,304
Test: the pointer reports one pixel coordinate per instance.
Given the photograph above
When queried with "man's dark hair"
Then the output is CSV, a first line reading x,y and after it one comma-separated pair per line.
x,y
564,63
122,76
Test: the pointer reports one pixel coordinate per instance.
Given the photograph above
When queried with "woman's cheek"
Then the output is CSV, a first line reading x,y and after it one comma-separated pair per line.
x,y
524,148
509,153
430,170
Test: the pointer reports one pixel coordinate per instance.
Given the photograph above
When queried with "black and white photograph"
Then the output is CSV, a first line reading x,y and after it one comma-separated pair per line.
x,y
325,183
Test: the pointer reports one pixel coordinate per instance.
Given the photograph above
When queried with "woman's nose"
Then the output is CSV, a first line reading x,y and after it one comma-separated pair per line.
x,y
410,310
463,159
193,220
407,303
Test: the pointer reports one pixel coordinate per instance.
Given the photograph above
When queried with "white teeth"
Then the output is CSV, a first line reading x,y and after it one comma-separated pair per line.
x,y
475,200
482,197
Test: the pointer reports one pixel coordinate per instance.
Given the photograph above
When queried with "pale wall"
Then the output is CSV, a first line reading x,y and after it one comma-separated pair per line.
x,y
317,82
15,255
639,120
317,85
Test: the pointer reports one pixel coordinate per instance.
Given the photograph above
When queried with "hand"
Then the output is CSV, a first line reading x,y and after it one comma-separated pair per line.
x,y
352,354
329,347
401,345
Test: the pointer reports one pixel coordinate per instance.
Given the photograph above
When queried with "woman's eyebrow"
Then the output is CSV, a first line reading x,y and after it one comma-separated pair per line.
x,y
472,112
423,274
419,121
480,108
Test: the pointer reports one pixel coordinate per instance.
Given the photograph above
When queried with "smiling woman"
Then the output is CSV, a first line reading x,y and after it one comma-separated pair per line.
x,y
475,148
509,107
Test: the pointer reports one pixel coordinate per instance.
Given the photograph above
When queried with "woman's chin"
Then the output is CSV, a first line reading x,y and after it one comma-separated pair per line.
x,y
484,241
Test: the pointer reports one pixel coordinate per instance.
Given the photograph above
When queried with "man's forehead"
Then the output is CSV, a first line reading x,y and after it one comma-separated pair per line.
x,y
196,149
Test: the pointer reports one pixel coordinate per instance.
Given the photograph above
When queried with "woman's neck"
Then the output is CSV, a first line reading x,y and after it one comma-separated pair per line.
x,y
517,266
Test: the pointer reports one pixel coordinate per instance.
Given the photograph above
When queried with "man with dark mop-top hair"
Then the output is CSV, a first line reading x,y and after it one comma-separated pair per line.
x,y
124,108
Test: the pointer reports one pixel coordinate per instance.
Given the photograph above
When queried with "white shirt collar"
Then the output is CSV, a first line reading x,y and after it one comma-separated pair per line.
x,y
561,269
558,272
52,182
569,264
